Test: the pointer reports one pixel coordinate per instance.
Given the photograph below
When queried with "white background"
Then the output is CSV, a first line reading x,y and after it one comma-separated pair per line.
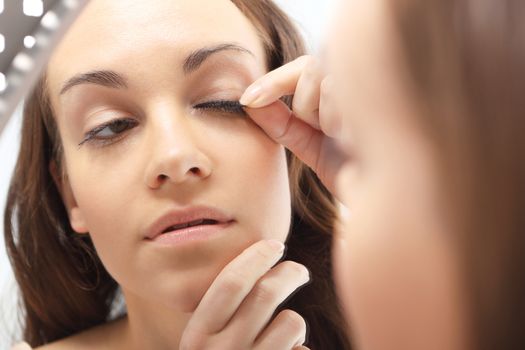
x,y
311,16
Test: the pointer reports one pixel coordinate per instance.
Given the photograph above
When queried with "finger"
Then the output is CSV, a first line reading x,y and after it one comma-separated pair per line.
x,y
307,97
330,120
270,291
277,83
287,331
283,127
231,286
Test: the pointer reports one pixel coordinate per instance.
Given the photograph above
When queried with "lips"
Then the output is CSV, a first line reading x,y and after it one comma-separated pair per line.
x,y
199,222
185,219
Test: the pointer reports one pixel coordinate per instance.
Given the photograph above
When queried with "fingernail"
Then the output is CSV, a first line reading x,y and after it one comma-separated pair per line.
x,y
276,245
308,275
251,95
21,346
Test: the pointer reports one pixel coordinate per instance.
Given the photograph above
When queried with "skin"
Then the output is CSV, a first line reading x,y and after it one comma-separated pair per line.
x,y
396,269
220,293
392,174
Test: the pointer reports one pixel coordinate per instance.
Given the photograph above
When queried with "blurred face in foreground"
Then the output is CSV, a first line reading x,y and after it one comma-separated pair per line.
x,y
395,265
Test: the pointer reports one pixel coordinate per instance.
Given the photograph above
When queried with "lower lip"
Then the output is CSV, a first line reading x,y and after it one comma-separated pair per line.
x,y
190,234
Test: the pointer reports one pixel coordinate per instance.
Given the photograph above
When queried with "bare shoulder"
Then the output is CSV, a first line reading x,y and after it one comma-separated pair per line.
x,y
101,337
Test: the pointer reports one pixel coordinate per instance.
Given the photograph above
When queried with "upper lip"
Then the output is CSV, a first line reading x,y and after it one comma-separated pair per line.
x,y
185,216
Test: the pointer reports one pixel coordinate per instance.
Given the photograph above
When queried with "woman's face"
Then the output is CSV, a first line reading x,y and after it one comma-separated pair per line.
x,y
395,266
166,154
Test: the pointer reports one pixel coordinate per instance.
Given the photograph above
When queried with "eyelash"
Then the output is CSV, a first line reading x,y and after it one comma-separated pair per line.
x,y
224,106
219,106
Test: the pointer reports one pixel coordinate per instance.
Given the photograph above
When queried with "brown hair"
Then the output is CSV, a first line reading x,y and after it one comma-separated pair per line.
x,y
64,286
466,61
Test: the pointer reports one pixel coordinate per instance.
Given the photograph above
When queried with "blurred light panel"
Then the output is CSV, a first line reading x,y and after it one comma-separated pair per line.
x,y
33,8
3,82
29,41
50,20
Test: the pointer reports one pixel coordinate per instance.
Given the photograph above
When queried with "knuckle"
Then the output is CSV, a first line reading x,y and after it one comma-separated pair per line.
x,y
264,251
264,292
307,60
311,68
299,108
326,87
280,85
232,282
293,321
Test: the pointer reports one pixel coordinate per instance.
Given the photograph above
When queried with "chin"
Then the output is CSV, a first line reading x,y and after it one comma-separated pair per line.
x,y
185,290
190,297
182,290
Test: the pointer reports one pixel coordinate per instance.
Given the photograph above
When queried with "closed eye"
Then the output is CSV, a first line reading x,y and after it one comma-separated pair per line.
x,y
222,106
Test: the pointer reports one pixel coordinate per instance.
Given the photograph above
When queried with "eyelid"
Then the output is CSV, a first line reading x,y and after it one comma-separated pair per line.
x,y
91,135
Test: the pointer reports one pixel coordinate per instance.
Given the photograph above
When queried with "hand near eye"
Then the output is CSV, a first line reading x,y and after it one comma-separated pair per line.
x,y
310,129
236,311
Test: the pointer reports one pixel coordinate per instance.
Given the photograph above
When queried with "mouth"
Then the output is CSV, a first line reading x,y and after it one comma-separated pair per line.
x,y
195,223
188,222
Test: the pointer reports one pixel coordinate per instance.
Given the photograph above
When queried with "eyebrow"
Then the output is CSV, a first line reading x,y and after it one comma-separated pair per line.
x,y
99,77
197,58
112,79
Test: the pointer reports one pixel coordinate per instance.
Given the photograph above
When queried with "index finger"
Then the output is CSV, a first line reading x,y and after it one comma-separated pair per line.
x,y
233,284
276,84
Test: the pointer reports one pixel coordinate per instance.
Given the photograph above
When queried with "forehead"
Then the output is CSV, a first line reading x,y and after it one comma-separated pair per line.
x,y
130,35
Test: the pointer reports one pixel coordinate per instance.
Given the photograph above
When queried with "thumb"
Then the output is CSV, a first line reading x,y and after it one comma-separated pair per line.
x,y
281,125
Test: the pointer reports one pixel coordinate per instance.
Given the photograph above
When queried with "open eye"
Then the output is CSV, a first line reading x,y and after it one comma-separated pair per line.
x,y
109,131
222,106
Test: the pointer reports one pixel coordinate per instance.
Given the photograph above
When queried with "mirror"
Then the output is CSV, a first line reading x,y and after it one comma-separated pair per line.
x,y
233,137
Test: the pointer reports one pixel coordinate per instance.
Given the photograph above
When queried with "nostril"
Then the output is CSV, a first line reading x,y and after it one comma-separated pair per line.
x,y
162,177
195,171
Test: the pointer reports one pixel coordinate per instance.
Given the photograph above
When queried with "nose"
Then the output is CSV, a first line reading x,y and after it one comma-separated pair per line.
x,y
176,157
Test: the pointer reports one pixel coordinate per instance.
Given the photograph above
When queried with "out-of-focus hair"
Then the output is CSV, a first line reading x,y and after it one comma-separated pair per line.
x,y
465,60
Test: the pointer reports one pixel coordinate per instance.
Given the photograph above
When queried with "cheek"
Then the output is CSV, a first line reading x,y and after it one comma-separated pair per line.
x,y
108,205
254,176
395,269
